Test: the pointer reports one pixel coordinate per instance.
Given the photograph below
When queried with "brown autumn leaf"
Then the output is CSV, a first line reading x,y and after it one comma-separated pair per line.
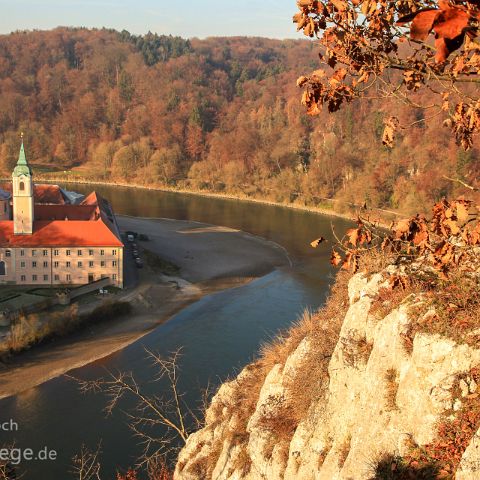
x,y
452,226
353,235
398,281
340,5
350,262
450,23
462,213
386,243
335,259
317,242
301,81
420,238
338,76
401,228
422,22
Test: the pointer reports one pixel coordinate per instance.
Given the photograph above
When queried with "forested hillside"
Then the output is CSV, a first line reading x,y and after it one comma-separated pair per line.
x,y
221,114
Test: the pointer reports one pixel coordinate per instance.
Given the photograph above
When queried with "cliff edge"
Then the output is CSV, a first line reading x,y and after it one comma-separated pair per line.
x,y
350,392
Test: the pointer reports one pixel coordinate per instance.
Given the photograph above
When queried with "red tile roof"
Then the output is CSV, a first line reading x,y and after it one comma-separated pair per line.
x,y
90,224
69,212
48,194
60,234
91,199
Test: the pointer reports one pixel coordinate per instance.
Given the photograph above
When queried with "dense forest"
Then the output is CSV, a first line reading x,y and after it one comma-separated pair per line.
x,y
220,114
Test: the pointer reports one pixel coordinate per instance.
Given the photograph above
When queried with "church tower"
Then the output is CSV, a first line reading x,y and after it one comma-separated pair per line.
x,y
23,201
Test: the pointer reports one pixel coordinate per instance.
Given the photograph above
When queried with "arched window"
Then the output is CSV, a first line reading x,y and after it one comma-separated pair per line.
x,y
2,269
22,186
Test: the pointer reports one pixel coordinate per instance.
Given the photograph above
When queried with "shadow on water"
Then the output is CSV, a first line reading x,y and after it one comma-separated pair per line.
x,y
219,334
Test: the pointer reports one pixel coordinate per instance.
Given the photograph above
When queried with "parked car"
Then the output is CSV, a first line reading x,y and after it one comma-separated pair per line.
x,y
130,238
138,263
135,253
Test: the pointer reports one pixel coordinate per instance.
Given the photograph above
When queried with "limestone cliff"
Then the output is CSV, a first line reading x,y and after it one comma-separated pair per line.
x,y
377,395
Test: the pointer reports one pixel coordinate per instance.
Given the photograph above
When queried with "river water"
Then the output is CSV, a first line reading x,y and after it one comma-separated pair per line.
x,y
218,335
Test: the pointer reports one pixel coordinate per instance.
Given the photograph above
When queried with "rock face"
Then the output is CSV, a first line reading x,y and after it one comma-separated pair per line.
x,y
380,395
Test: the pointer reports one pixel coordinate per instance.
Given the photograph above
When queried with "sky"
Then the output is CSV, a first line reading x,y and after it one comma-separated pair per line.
x,y
187,18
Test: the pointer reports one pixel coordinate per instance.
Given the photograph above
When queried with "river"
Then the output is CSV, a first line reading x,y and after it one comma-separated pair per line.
x,y
219,334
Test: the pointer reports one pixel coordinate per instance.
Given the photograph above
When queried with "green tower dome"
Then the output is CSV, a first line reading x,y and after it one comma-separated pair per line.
x,y
22,167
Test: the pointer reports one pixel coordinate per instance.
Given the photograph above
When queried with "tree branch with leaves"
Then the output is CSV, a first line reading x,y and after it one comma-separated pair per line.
x,y
432,45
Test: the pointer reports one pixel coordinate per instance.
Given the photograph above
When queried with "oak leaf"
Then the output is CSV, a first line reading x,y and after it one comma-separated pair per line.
x,y
317,242
335,259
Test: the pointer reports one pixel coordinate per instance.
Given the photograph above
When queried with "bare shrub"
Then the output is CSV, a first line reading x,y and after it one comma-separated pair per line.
x,y
356,349
391,389
394,467
37,328
153,413
322,329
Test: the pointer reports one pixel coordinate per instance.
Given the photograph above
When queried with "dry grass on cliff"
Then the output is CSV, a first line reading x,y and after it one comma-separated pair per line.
x,y
322,330
391,389
307,385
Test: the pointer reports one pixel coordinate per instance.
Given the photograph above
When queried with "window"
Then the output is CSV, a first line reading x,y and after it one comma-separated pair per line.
x,y
114,276
102,252
22,264
23,278
34,264
45,278
55,264
22,253
45,264
79,253
114,252
80,264
57,278
34,253
45,253
21,186
69,277
90,252
34,278
8,253
114,263
67,253
2,269
69,264
90,264
56,253
102,263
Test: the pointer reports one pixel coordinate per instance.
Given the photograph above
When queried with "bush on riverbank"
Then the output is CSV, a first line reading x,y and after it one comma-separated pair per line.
x,y
38,328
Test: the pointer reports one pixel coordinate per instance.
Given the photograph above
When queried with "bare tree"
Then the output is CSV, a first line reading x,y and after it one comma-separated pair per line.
x,y
86,465
159,421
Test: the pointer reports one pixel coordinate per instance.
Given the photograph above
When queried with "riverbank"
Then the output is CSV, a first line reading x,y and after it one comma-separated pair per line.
x,y
210,258
380,216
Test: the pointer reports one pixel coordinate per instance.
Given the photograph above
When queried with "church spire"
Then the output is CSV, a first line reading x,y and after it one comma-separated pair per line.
x,y
22,167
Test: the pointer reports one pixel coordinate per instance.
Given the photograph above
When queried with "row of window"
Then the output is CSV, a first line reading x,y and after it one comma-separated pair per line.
x,y
56,253
68,264
68,278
